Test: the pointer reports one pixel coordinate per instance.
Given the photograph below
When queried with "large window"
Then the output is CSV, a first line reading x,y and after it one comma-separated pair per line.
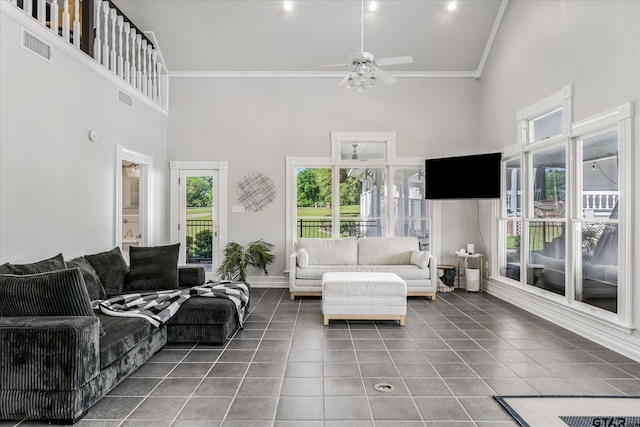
x,y
313,207
363,202
598,220
564,218
362,190
410,209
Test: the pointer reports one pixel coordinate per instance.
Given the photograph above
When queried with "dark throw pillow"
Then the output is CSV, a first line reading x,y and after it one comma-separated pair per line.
x,y
56,293
46,265
6,268
111,268
153,268
91,279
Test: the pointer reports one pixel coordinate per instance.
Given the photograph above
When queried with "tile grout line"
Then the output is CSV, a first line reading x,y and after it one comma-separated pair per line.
x,y
293,331
204,377
415,405
244,376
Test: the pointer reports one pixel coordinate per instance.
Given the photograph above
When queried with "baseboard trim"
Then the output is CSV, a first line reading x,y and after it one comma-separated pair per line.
x,y
268,281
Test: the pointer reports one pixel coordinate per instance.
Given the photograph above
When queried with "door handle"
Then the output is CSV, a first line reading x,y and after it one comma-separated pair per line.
x,y
215,229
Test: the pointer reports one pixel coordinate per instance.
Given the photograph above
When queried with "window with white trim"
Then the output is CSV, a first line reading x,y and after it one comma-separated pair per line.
x,y
349,193
565,212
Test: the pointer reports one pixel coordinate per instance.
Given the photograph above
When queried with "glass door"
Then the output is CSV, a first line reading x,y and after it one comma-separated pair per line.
x,y
198,219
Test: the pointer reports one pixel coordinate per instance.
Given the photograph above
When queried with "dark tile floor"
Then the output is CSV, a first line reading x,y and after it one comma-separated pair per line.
x,y
286,369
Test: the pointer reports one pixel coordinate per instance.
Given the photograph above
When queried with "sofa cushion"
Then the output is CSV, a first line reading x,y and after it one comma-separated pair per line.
x,y
122,334
55,293
330,251
420,258
386,250
112,270
91,279
6,268
303,258
50,264
153,268
191,275
405,272
204,311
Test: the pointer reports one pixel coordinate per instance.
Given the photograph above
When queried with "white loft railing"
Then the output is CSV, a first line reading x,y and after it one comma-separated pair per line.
x,y
99,29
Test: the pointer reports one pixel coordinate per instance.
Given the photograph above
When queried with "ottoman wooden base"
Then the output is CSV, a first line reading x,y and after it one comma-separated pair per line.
x,y
364,295
401,319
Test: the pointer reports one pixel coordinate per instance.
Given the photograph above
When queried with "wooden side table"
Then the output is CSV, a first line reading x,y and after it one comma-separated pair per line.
x,y
469,261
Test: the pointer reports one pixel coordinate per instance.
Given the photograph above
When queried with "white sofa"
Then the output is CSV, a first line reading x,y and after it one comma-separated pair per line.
x,y
311,258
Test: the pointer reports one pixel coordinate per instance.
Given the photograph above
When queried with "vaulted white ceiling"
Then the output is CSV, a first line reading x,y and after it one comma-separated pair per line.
x,y
226,36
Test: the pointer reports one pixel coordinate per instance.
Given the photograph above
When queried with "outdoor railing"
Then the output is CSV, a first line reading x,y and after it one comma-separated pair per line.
x,y
199,234
321,228
600,202
99,29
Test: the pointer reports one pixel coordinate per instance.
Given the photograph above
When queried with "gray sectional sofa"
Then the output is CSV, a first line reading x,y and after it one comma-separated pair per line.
x,y
311,258
59,356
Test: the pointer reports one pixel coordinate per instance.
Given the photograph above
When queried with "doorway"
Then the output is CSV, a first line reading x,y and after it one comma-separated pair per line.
x,y
199,208
131,234
133,171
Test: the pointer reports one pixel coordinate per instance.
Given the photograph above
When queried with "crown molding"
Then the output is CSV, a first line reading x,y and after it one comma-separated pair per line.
x,y
492,35
312,74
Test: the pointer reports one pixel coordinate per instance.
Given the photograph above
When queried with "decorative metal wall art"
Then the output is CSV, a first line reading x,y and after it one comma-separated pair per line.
x,y
255,191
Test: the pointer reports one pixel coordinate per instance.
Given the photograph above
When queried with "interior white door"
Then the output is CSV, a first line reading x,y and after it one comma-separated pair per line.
x,y
198,219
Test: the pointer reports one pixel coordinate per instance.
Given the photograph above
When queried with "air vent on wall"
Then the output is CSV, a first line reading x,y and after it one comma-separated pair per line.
x,y
125,98
36,46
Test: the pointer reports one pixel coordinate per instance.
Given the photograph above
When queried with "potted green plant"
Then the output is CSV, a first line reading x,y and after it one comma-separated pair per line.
x,y
238,257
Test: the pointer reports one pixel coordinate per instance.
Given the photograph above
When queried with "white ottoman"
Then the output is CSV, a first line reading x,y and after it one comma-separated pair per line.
x,y
361,295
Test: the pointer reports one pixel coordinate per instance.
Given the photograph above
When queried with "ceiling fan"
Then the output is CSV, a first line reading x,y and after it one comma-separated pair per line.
x,y
365,70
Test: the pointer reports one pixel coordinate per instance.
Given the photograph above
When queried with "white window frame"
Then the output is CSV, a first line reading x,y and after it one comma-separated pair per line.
x,y
560,99
620,118
335,163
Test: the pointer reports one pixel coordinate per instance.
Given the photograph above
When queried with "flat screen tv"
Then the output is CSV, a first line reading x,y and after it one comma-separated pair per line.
x,y
465,177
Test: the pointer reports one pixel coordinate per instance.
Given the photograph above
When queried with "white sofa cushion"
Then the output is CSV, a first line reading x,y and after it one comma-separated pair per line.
x,y
420,258
303,258
405,272
330,251
386,250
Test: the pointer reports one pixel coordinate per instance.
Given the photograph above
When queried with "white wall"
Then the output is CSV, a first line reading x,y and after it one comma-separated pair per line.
x,y
57,189
254,123
541,47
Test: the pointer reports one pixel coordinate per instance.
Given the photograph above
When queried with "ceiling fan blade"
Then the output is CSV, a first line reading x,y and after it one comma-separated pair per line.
x,y
344,80
383,76
356,53
395,60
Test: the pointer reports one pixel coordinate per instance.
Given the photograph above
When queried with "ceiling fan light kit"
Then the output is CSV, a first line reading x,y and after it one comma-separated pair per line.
x,y
287,5
365,71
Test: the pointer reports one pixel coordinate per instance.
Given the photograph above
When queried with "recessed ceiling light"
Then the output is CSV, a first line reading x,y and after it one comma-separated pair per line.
x,y
287,5
372,6
452,6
